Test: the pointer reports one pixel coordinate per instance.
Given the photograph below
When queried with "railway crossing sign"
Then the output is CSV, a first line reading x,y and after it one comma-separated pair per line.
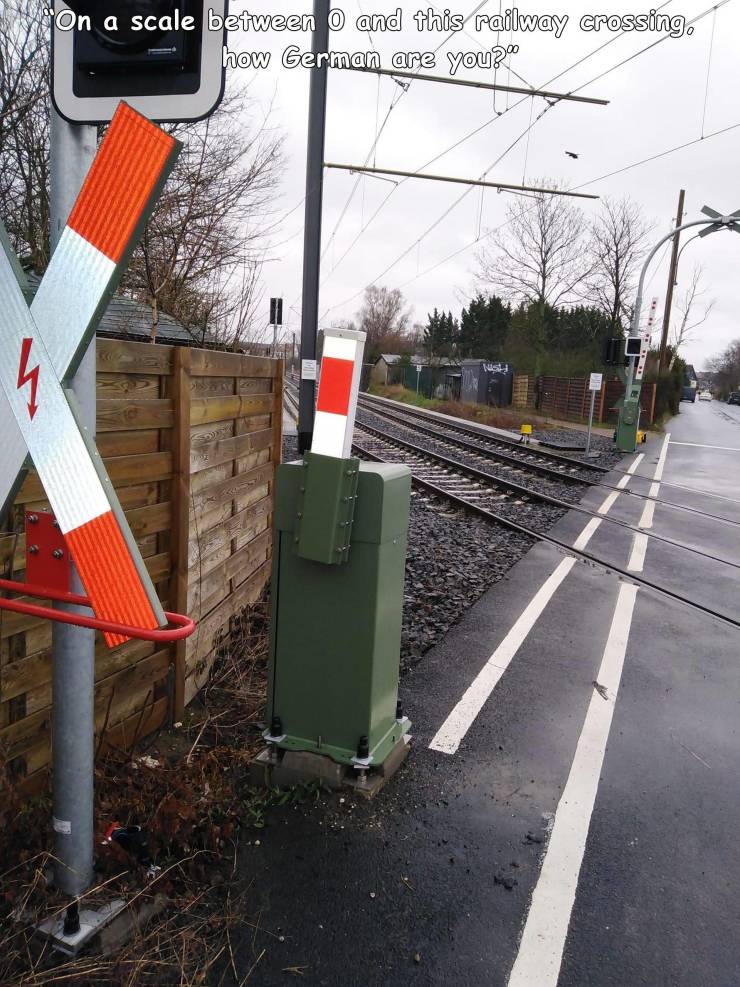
x,y
116,200
41,347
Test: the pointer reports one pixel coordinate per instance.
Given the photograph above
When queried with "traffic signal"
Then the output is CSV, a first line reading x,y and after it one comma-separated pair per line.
x,y
612,352
157,55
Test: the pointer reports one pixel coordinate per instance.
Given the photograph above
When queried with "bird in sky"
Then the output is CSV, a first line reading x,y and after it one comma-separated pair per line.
x,y
572,154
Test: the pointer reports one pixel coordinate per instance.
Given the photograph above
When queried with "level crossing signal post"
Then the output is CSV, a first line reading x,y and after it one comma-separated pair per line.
x,y
637,343
337,598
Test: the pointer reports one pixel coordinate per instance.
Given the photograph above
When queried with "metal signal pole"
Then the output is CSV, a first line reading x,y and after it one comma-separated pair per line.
x,y
671,281
312,230
73,648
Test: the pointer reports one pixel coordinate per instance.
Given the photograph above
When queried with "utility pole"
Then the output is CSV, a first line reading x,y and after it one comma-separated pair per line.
x,y
73,648
672,273
312,228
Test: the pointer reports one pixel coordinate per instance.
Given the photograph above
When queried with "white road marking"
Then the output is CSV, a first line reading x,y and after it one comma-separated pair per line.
x,y
637,557
609,502
700,445
661,459
636,463
585,536
640,542
588,532
541,948
646,521
450,734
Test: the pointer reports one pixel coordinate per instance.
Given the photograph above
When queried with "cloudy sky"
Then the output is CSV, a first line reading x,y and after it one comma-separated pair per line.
x,y
672,95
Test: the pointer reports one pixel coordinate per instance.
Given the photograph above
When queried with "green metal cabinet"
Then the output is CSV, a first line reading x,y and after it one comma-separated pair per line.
x,y
336,625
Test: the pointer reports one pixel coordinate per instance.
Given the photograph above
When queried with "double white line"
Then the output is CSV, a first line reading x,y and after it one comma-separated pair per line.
x,y
540,953
452,732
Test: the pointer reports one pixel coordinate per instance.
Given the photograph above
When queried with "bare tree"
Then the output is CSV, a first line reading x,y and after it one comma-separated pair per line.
x,y
237,319
24,128
541,257
211,222
385,317
727,369
203,245
690,318
618,242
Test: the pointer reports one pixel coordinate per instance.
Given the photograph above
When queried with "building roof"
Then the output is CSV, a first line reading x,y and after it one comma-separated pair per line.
x,y
126,318
389,357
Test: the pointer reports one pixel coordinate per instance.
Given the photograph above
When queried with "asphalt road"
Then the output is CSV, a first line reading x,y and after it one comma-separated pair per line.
x,y
581,827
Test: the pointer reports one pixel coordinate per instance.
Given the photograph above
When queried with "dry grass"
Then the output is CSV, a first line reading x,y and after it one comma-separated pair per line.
x,y
484,414
196,807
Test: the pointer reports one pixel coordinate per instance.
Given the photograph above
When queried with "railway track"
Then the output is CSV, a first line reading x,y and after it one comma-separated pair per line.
x,y
438,472
516,459
561,477
504,502
499,445
457,499
516,462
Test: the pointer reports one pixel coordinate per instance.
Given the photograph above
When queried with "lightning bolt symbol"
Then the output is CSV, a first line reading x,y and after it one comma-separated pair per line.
x,y
24,376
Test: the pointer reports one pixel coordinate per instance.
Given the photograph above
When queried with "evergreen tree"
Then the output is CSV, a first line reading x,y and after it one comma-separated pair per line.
x,y
484,326
432,334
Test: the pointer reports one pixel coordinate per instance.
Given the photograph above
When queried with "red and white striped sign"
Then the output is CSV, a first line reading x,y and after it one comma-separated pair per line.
x,y
339,384
118,196
39,347
646,336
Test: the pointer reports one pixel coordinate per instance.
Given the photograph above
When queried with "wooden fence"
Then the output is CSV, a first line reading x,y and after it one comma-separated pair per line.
x,y
190,439
569,397
522,395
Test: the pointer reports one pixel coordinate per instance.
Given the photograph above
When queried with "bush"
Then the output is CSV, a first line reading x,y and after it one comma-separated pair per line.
x,y
669,385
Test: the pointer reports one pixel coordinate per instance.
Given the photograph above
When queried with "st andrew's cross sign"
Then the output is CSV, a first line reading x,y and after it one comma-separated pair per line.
x,y
41,346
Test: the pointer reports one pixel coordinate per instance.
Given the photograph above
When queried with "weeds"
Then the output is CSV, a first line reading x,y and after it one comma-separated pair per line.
x,y
191,795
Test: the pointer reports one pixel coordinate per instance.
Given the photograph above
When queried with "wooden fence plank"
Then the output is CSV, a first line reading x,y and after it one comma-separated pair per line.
x,y
231,487
204,410
138,469
150,520
214,363
133,443
121,356
225,449
138,386
117,414
181,511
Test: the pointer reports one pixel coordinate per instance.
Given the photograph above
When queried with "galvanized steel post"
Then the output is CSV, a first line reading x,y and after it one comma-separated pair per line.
x,y
73,651
312,230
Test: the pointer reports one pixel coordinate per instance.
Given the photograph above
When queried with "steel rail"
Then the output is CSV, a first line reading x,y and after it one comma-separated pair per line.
x,y
431,430
504,457
544,498
558,543
471,430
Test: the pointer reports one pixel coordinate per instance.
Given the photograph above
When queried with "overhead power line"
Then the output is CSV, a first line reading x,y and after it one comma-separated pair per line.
x,y
601,75
452,81
359,169
592,181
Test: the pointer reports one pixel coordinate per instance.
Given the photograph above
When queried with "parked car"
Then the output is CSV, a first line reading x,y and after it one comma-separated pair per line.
x,y
705,395
688,393
734,398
